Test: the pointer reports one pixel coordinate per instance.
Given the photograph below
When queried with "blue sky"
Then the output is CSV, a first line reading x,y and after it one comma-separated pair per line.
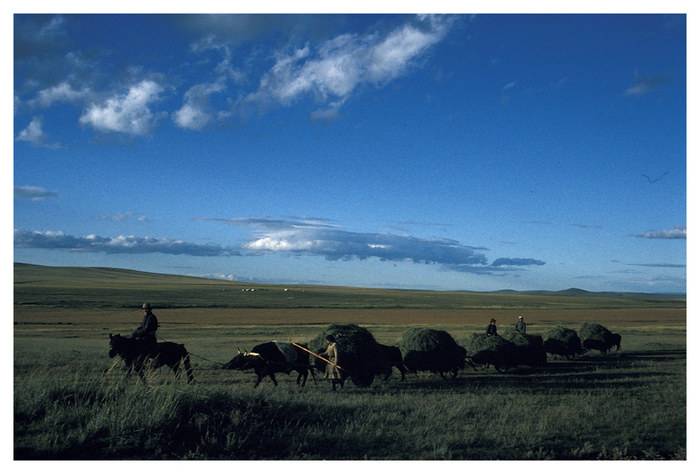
x,y
450,152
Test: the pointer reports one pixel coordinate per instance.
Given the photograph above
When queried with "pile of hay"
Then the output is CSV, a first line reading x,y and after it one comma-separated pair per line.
x,y
562,341
431,350
596,337
359,354
483,350
529,348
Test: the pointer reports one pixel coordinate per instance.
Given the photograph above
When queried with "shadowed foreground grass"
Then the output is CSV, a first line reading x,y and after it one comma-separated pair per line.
x,y
621,407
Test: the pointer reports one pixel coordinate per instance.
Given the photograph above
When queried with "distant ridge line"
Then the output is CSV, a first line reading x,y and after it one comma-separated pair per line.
x,y
573,292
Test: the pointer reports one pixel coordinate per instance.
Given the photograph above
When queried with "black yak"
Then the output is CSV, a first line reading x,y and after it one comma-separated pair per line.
x,y
393,354
484,351
432,350
562,341
597,337
270,358
529,348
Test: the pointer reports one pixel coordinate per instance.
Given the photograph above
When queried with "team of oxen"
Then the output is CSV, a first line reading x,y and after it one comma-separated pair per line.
x,y
275,357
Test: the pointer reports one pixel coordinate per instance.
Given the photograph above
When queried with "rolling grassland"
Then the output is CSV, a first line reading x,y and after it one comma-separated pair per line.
x,y
71,401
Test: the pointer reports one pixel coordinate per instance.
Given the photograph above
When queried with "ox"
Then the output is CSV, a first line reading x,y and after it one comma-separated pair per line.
x,y
393,355
270,358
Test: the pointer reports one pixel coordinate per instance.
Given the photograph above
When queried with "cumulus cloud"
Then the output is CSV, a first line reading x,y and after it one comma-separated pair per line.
x,y
34,193
678,232
332,70
197,112
63,92
33,134
115,245
127,113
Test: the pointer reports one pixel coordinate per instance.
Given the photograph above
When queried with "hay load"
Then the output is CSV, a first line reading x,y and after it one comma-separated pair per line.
x,y
596,337
483,351
359,354
529,348
431,350
562,341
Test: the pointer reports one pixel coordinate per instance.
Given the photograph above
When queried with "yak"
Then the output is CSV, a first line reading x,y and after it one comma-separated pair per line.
x,y
393,354
269,358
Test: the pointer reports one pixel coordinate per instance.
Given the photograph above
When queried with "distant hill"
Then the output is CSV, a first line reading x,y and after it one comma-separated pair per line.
x,y
598,294
96,287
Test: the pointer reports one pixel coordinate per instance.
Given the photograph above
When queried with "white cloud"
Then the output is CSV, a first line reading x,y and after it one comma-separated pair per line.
x,y
34,193
333,70
33,133
126,113
58,240
318,238
62,92
678,232
196,113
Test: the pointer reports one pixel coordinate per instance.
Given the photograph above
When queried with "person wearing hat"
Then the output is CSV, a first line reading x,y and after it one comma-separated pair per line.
x,y
520,325
491,328
146,332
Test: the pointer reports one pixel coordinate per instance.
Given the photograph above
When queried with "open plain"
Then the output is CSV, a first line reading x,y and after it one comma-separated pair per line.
x,y
73,402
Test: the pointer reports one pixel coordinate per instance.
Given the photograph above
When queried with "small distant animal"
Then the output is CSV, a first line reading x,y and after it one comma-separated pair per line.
x,y
270,358
137,357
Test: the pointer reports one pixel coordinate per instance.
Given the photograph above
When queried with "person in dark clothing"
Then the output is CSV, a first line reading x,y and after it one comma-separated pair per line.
x,y
146,332
520,325
491,328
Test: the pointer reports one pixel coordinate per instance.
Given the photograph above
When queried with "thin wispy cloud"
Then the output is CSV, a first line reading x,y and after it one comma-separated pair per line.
x,y
123,217
516,262
678,232
644,84
34,193
658,265
587,226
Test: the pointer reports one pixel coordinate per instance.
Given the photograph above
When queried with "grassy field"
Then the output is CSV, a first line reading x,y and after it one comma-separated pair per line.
x,y
73,402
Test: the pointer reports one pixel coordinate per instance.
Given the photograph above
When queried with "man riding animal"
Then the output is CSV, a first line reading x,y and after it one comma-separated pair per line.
x,y
145,334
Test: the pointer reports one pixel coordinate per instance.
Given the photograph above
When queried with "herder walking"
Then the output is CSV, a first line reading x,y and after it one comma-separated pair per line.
x,y
520,326
332,369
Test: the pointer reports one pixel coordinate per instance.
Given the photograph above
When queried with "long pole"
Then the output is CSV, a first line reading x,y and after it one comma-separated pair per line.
x,y
316,355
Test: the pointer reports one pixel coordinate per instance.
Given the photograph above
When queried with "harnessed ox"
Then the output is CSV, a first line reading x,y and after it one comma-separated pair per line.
x,y
270,358
137,357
